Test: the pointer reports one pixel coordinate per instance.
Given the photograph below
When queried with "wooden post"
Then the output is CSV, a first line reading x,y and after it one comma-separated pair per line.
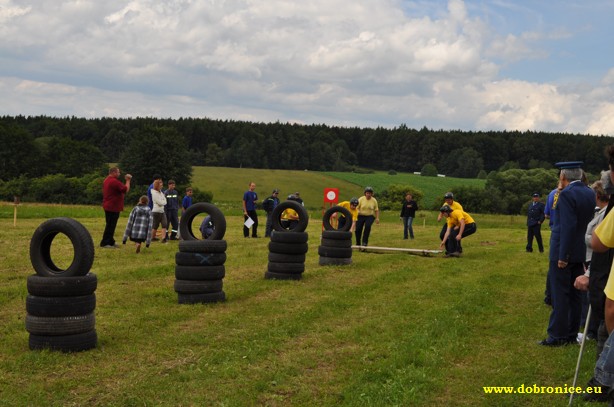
x,y
15,203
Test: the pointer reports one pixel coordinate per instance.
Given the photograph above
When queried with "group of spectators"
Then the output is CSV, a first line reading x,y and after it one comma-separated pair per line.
x,y
156,209
580,261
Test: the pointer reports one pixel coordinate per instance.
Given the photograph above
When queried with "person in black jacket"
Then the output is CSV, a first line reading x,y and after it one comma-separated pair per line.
x,y
268,205
535,218
408,213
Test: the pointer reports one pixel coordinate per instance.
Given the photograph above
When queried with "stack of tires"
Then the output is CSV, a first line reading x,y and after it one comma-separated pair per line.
x,y
61,302
288,245
336,245
199,269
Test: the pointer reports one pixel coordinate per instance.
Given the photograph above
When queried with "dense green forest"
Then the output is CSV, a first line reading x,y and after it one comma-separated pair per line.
x,y
33,145
48,159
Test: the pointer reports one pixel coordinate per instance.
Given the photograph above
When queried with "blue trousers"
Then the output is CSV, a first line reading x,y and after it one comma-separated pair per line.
x,y
407,227
566,301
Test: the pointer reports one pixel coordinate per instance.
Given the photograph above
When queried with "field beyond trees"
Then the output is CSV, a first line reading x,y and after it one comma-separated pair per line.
x,y
390,329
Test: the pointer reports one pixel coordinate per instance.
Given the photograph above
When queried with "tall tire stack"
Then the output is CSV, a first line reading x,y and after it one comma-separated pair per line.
x,y
199,269
61,302
336,245
288,246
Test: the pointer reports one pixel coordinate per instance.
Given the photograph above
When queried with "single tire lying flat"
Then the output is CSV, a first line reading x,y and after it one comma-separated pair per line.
x,y
198,286
60,306
336,235
61,286
286,258
268,275
64,343
201,298
200,272
203,246
54,326
200,259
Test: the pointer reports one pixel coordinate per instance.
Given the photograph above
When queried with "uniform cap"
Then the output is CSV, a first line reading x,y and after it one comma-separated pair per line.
x,y
569,165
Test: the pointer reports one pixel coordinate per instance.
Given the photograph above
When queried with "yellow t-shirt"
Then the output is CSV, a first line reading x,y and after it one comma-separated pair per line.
x,y
354,212
605,230
456,216
605,233
455,206
289,214
367,207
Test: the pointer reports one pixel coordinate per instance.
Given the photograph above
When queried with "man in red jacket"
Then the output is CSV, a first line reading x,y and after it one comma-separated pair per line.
x,y
113,192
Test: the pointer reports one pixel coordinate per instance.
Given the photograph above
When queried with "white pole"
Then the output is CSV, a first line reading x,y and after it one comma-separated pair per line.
x,y
575,378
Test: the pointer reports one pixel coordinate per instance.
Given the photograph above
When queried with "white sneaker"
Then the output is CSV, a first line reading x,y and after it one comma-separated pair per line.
x,y
579,337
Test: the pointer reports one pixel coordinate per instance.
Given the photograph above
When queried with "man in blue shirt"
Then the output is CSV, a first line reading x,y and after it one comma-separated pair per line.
x,y
249,209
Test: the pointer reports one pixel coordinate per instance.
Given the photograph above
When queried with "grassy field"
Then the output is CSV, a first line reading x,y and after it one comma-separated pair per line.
x,y
228,184
388,330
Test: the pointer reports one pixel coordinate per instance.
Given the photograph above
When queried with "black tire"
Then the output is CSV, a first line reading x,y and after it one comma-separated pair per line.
x,y
341,252
336,243
217,218
200,259
40,248
336,235
288,248
335,261
200,272
62,286
282,276
198,286
203,246
286,258
303,217
296,237
64,343
53,326
287,268
201,298
334,209
60,306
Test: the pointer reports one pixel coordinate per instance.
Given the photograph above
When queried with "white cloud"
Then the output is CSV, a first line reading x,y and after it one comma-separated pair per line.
x,y
349,62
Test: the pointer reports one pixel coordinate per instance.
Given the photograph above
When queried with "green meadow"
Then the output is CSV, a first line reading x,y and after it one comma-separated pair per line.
x,y
228,184
387,330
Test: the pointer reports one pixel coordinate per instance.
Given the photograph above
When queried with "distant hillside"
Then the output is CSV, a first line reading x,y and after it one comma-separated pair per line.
x,y
433,187
229,184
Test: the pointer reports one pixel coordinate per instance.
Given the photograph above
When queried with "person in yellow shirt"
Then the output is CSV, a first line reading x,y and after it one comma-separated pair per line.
x,y
459,224
368,212
351,206
289,217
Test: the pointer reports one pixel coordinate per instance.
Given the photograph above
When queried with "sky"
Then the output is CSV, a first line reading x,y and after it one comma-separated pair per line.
x,y
537,65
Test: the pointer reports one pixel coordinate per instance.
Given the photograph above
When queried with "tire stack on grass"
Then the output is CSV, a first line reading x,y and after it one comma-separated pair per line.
x,y
61,303
336,245
288,246
200,270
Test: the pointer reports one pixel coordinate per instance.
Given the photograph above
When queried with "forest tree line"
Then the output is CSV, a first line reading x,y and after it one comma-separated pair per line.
x,y
229,143
45,158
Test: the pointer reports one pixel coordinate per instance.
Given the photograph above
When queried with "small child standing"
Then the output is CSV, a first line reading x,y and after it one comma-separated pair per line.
x,y
139,224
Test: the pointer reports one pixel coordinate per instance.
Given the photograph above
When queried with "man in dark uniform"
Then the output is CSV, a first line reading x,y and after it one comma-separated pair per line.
x,y
535,218
268,205
172,209
574,210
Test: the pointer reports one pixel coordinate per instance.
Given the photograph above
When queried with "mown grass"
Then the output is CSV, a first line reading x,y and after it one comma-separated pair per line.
x,y
390,329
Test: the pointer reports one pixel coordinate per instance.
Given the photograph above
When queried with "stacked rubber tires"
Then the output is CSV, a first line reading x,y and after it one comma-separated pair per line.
x,y
288,245
199,269
61,302
336,245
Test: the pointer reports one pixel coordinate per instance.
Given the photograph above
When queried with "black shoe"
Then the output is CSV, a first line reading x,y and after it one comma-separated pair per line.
x,y
599,397
529,250
554,342
548,301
